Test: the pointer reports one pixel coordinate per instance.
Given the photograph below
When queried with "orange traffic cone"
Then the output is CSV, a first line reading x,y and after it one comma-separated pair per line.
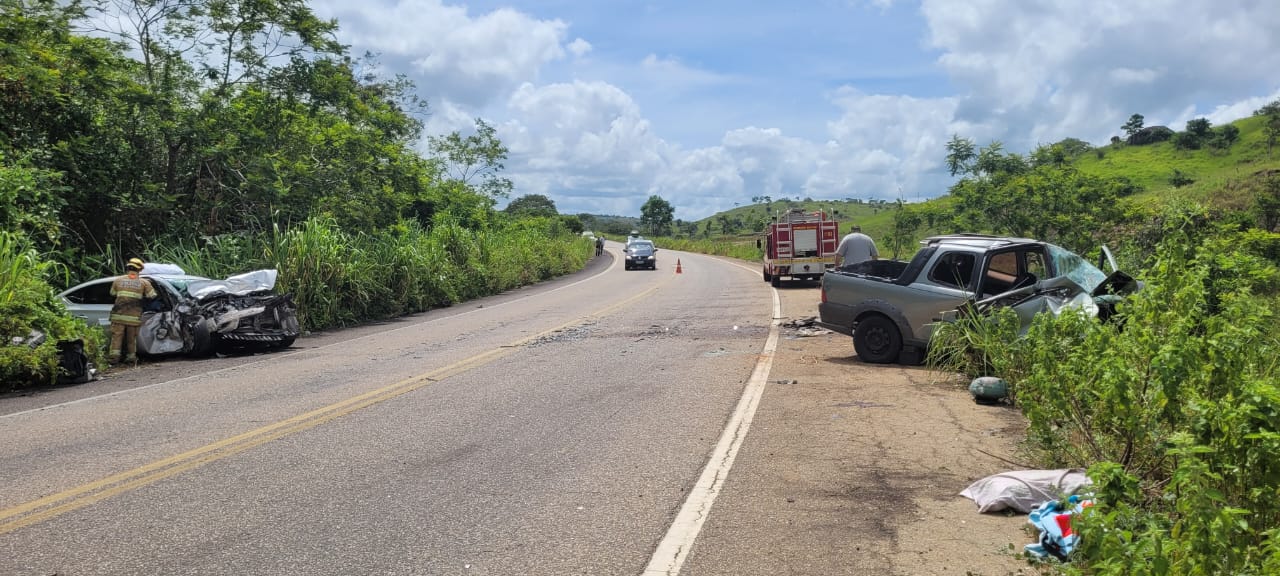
x,y
678,270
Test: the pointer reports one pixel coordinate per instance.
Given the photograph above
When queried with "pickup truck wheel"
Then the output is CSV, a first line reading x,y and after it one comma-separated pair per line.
x,y
877,340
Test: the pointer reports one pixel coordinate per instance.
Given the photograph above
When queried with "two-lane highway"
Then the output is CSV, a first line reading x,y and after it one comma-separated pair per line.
x,y
557,432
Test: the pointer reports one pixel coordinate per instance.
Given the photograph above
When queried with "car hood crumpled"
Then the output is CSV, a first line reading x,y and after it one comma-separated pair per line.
x,y
1055,295
238,285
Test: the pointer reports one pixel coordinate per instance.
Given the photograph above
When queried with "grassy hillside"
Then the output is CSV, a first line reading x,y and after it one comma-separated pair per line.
x,y
1221,178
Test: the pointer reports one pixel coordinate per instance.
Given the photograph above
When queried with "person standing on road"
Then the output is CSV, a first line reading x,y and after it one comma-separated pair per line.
x,y
855,247
599,246
126,314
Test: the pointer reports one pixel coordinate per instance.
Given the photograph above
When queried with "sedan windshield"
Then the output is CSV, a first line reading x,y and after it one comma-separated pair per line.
x,y
641,248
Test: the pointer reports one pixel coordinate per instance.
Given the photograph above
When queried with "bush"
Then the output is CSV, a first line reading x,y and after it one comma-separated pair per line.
x,y
1175,410
1177,414
28,302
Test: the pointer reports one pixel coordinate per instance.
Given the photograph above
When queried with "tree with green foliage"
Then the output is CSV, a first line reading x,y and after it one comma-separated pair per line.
x,y
1200,128
1198,133
960,154
573,224
65,123
1074,147
1224,137
1005,194
1134,124
1271,123
906,225
656,216
726,225
532,205
1266,204
479,156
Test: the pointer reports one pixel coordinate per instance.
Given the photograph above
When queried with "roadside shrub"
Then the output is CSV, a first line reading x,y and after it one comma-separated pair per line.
x,y
28,302
979,345
1180,179
1176,411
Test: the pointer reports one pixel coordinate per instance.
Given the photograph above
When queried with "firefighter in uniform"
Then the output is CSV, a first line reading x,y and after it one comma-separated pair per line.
x,y
126,315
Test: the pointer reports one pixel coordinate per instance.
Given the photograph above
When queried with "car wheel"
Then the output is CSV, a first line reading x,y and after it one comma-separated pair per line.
x,y
877,340
203,338
287,342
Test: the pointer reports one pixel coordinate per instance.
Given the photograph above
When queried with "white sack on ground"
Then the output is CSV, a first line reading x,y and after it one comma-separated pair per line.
x,y
1023,490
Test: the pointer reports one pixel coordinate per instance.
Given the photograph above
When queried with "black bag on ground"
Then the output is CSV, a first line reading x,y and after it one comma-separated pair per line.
x,y
73,363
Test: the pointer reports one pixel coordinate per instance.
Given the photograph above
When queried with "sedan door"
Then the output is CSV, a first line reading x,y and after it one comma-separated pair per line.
x,y
91,301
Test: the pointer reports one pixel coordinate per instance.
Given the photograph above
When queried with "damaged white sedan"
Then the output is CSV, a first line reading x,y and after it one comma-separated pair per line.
x,y
196,315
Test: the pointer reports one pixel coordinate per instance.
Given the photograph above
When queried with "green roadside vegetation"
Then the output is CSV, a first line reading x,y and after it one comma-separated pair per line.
x,y
1173,405
230,135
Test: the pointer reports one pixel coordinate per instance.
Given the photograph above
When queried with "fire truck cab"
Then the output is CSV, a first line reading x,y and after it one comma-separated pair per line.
x,y
800,245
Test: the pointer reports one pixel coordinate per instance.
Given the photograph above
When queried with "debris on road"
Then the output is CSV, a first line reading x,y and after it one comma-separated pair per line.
x,y
1024,490
989,389
805,327
1056,539
569,334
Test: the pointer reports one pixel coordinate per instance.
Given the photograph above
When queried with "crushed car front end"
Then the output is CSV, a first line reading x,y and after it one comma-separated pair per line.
x,y
263,318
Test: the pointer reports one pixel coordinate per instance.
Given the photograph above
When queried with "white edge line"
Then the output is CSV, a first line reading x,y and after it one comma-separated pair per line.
x,y
275,357
674,547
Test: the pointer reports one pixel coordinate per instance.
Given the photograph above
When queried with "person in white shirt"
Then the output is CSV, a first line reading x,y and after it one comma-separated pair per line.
x,y
855,247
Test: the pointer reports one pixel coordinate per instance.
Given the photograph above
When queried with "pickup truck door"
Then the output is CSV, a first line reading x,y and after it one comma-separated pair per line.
x,y
945,283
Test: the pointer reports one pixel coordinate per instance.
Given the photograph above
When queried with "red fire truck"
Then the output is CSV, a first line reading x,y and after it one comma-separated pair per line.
x,y
801,245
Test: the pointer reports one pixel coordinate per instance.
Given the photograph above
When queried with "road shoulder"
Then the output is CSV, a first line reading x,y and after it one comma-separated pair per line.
x,y
852,468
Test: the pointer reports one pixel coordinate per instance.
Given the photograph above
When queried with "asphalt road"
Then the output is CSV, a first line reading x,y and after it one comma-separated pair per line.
x,y
557,429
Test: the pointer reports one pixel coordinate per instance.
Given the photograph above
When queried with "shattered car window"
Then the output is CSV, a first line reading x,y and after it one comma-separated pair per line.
x,y
181,284
1076,268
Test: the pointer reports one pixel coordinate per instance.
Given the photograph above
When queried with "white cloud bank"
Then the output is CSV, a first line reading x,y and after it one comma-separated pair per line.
x,y
1021,72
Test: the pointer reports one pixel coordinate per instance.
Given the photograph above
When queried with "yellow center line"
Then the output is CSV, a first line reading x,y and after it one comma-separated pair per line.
x,y
78,497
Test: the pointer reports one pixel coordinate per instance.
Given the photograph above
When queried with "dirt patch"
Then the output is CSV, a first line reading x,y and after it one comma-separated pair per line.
x,y
910,440
853,468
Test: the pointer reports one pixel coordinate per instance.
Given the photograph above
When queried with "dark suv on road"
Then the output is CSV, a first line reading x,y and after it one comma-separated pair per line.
x,y
641,254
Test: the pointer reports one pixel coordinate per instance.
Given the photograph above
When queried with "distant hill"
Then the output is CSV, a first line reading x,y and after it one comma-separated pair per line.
x,y
609,224
751,219
1224,179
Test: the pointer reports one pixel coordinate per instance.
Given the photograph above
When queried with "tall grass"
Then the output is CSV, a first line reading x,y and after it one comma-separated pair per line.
x,y
743,249
340,279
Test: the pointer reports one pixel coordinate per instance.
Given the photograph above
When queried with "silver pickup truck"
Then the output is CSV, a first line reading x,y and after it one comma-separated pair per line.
x,y
889,306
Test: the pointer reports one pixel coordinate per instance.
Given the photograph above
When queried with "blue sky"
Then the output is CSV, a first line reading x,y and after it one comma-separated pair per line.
x,y
710,103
